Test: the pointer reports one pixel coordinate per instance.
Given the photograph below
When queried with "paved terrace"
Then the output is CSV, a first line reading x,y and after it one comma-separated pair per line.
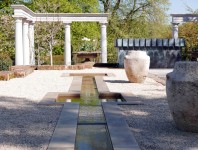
x,y
28,126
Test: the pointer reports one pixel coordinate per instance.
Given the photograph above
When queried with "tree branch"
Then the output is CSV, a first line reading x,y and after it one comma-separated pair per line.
x,y
116,7
134,10
105,5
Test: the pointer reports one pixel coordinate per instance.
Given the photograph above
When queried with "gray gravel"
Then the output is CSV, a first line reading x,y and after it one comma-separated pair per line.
x,y
26,126
154,128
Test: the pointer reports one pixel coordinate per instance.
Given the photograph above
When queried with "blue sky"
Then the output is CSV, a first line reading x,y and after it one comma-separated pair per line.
x,y
179,6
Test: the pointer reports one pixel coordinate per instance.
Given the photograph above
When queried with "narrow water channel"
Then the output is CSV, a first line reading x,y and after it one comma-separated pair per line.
x,y
92,133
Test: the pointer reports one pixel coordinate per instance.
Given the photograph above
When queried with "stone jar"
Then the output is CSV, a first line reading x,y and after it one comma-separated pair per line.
x,y
182,95
136,65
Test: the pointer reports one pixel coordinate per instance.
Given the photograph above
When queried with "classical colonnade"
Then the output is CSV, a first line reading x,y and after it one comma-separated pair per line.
x,y
180,18
24,32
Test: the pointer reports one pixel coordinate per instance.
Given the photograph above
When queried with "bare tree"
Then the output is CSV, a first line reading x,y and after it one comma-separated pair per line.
x,y
49,29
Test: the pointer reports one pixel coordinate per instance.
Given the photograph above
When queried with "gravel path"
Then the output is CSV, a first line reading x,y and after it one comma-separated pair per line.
x,y
27,126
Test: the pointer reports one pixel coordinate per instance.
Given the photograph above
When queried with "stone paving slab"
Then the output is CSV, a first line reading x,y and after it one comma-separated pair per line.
x,y
76,85
121,136
101,85
49,99
65,131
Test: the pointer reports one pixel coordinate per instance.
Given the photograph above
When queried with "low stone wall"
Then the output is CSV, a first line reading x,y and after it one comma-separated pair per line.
x,y
16,72
6,75
163,52
22,71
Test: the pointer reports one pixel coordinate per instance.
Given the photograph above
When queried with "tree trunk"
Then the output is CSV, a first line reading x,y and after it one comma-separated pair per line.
x,y
51,57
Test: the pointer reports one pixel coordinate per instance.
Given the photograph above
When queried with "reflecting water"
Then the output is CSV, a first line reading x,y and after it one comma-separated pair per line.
x,y
91,114
92,137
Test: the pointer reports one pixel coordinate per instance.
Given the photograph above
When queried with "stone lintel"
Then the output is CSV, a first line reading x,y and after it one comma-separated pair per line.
x,y
179,18
24,12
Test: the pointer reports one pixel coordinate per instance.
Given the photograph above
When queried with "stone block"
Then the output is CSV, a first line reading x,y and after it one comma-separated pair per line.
x,y
177,43
137,42
125,43
182,42
131,44
142,42
171,42
148,42
154,42
159,43
119,43
165,42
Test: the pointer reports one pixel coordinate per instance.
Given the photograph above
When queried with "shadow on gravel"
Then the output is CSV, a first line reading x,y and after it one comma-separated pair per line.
x,y
154,128
26,125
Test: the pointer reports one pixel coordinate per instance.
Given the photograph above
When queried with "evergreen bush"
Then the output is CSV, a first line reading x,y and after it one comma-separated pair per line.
x,y
5,62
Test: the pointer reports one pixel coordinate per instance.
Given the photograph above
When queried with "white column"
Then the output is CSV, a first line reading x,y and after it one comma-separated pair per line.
x,y
31,39
175,30
104,43
26,45
67,52
18,41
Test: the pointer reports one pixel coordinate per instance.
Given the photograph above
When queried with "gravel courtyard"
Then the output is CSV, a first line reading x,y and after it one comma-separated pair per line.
x,y
25,125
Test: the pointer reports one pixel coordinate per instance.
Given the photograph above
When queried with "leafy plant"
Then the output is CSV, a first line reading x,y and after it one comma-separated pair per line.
x,y
5,62
87,45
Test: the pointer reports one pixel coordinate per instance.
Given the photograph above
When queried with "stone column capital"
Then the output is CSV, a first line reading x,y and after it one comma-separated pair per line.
x,y
18,20
103,24
67,23
175,23
25,21
31,23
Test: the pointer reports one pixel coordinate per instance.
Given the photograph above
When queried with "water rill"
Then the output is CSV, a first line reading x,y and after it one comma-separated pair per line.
x,y
87,120
92,132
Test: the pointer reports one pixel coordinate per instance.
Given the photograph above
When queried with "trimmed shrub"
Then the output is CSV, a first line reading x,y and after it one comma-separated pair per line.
x,y
5,62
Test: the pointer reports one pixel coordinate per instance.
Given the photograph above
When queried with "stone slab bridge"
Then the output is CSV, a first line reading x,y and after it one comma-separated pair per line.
x,y
24,32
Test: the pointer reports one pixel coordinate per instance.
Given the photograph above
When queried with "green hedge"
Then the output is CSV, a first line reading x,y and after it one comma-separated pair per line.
x,y
5,62
57,60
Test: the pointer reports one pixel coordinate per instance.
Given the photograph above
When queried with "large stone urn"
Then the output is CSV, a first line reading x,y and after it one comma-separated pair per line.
x,y
182,95
136,65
